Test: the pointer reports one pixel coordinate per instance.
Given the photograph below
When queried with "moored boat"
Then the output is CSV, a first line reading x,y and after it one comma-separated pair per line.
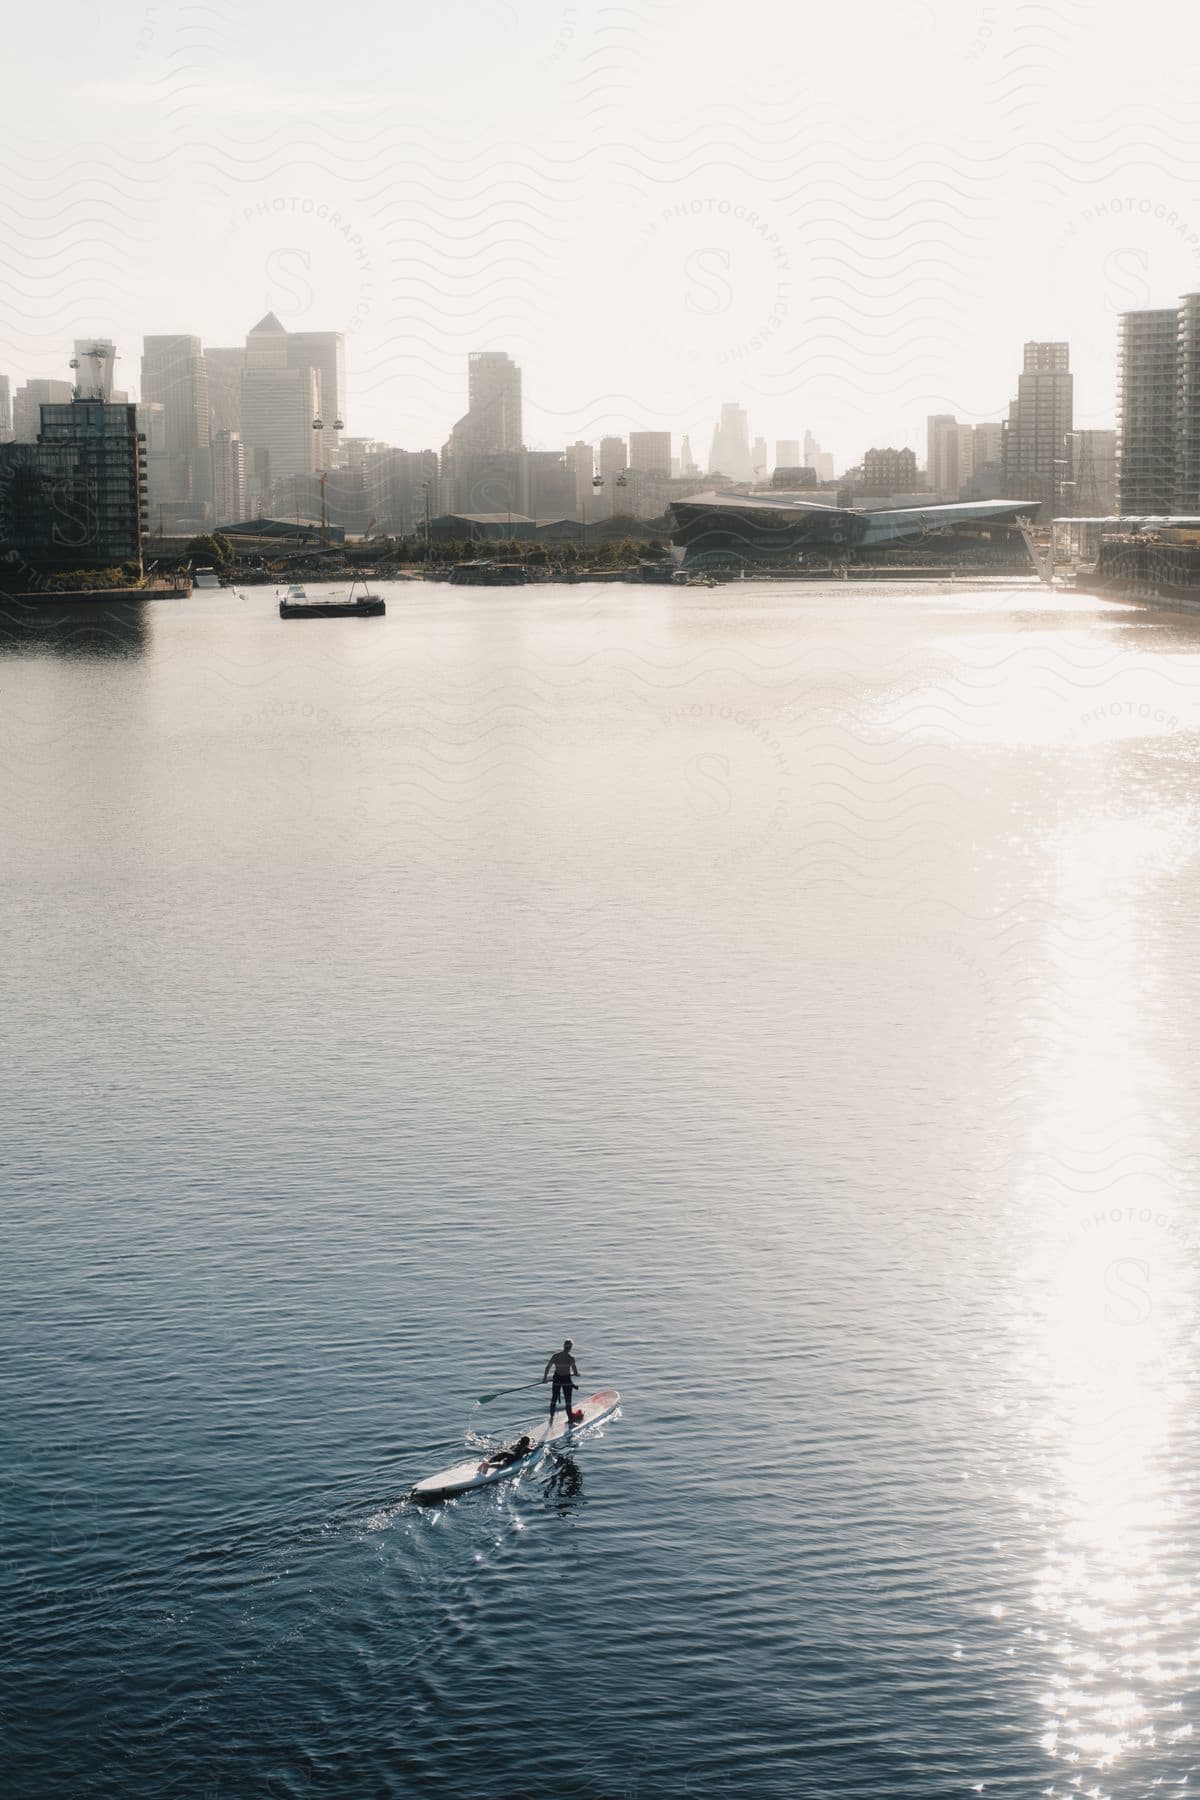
x,y
486,573
297,605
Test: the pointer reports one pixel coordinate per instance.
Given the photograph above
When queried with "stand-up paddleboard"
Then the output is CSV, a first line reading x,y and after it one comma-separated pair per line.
x,y
465,1476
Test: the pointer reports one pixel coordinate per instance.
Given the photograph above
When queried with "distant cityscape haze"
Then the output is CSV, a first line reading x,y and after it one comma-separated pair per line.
x,y
653,215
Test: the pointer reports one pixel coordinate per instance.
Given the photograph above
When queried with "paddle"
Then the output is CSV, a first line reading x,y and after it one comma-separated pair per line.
x,y
484,1398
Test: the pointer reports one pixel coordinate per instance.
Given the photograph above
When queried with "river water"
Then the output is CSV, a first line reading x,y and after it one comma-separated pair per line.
x,y
789,993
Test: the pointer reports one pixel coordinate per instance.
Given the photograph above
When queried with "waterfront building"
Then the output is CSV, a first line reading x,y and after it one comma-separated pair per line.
x,y
1040,420
738,530
76,498
787,453
730,453
6,426
1187,407
229,478
1147,397
27,405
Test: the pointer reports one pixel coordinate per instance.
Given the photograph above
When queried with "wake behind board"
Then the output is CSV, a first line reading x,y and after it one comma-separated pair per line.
x,y
466,1476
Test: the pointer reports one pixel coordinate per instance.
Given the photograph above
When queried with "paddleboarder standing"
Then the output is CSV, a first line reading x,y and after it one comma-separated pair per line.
x,y
563,1364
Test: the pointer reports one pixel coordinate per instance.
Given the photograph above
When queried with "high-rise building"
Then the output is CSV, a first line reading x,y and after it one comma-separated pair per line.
x,y
1147,399
76,498
650,453
1187,407
818,459
493,421
6,429
730,453
758,459
581,461
613,460
687,462
787,453
280,401
173,373
491,426
948,455
174,377
229,478
324,351
987,445
224,368
27,405
1040,419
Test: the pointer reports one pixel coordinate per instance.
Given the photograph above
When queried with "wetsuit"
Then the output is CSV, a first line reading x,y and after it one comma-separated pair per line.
x,y
563,1364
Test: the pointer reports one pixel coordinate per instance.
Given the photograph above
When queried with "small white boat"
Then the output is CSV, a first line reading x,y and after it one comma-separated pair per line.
x,y
463,1477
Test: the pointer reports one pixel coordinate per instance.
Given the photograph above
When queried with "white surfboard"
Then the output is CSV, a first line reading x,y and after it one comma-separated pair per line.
x,y
463,1477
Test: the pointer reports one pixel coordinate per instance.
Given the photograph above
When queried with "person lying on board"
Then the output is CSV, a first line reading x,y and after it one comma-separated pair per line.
x,y
511,1453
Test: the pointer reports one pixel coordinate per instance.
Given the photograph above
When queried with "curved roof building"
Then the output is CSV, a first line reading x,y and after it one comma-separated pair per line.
x,y
731,526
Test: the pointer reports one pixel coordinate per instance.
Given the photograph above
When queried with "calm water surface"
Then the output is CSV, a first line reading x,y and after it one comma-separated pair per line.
x,y
790,994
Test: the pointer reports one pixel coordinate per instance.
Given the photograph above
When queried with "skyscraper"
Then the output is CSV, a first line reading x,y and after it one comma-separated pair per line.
x,y
224,368
758,458
1147,382
324,351
6,429
613,461
1187,407
491,426
816,458
650,454
229,478
1036,460
27,405
174,377
173,373
787,453
279,403
948,454
580,460
493,419
730,454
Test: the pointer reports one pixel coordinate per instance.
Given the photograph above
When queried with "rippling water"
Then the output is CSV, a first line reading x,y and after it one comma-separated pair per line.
x,y
790,994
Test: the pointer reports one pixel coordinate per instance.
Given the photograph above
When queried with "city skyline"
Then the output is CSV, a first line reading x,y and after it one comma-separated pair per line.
x,y
596,207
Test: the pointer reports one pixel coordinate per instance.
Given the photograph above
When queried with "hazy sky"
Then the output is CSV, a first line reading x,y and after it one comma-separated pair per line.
x,y
842,218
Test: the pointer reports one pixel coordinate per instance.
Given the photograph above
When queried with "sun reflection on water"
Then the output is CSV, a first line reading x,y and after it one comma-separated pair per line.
x,y
1106,1322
